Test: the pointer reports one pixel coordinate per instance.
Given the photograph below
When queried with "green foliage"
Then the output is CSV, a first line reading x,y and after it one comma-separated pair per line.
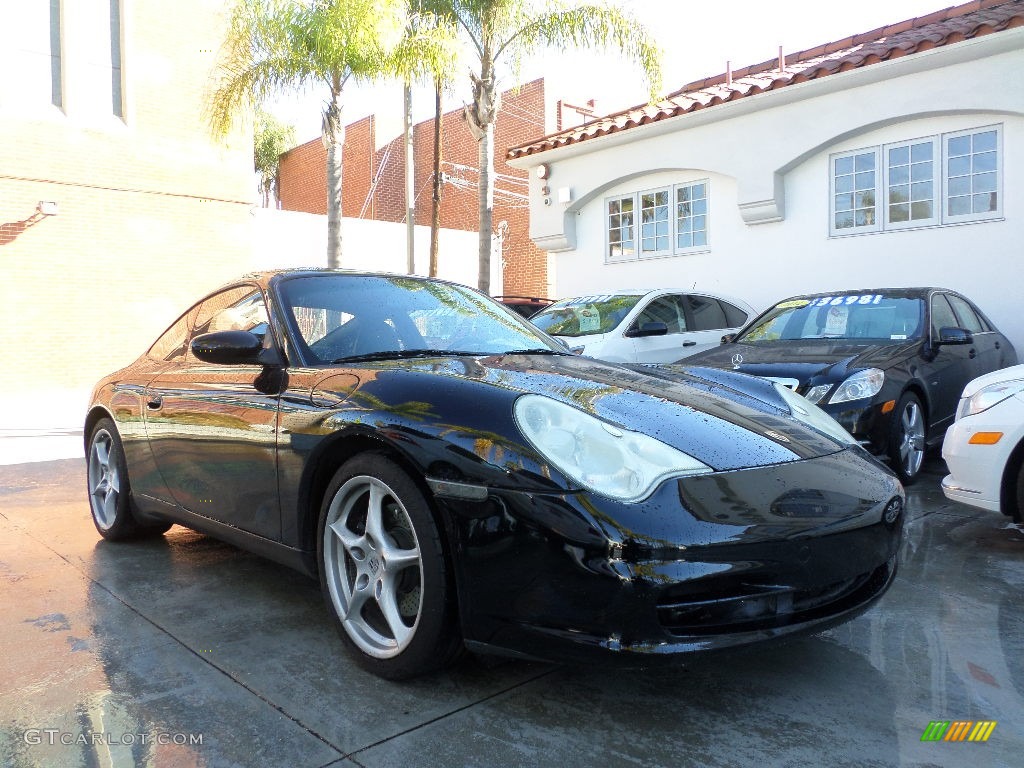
x,y
272,138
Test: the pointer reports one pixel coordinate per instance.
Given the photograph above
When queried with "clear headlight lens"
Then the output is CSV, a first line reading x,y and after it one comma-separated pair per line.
x,y
813,416
991,395
814,394
860,385
608,460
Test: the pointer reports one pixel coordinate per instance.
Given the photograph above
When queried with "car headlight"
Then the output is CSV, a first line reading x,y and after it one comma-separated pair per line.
x,y
814,394
608,460
813,416
860,385
991,395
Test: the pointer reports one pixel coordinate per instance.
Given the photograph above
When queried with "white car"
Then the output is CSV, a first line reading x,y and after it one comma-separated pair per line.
x,y
984,449
640,326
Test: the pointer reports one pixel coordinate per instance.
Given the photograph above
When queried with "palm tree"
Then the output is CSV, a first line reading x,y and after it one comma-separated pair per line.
x,y
275,46
506,29
271,140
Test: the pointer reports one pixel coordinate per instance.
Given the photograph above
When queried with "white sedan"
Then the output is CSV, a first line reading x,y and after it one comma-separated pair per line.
x,y
643,326
984,449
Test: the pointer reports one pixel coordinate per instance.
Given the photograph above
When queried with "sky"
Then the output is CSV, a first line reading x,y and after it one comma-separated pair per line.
x,y
697,38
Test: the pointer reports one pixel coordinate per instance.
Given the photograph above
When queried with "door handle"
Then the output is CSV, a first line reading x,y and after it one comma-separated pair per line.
x,y
998,345
689,343
155,402
972,354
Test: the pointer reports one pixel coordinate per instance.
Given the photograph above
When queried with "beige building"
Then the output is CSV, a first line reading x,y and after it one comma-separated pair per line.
x,y
117,208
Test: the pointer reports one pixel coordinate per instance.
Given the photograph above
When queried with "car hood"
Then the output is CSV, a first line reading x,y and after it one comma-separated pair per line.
x,y
722,426
809,361
1013,373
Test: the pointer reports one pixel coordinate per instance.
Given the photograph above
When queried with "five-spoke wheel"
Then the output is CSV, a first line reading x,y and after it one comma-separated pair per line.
x,y
383,571
907,439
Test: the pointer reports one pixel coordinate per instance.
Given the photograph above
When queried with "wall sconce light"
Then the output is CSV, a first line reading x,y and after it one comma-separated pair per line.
x,y
47,208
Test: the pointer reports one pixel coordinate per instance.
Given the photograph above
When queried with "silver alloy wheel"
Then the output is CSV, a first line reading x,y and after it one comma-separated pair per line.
x,y
911,438
104,479
373,566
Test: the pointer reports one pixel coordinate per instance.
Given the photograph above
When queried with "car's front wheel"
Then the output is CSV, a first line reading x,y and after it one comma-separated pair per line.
x,y
907,437
1018,515
110,490
383,570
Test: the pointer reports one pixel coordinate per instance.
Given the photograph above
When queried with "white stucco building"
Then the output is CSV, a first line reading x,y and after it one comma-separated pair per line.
x,y
890,158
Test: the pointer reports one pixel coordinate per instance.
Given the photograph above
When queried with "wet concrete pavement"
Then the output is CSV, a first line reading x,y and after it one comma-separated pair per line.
x,y
154,646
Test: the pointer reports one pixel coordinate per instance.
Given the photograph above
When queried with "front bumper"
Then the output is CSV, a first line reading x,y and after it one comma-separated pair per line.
x,y
706,563
864,420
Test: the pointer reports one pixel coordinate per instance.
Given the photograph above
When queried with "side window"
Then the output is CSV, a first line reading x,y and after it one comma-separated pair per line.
x,y
667,310
173,344
942,315
734,316
707,314
236,309
965,314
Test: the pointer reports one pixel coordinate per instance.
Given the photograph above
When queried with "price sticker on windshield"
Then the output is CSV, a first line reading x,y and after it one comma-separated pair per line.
x,y
836,301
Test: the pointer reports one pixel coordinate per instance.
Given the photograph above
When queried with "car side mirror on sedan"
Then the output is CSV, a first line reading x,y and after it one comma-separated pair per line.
x,y
955,336
647,329
728,338
228,348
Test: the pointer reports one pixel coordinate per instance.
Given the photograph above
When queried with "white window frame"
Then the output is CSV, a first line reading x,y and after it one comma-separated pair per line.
x,y
706,245
947,218
937,196
876,226
673,248
653,254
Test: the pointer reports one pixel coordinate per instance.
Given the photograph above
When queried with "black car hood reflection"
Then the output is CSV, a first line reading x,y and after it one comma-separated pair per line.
x,y
722,427
810,361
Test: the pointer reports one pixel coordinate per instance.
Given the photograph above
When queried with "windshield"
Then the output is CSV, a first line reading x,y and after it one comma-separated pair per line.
x,y
337,317
862,316
585,315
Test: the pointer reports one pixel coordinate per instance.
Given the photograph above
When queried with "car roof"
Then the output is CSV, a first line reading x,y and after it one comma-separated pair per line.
x,y
919,291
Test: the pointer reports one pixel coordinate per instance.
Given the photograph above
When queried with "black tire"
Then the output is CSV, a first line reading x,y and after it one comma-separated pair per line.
x,y
908,436
109,488
1018,513
387,583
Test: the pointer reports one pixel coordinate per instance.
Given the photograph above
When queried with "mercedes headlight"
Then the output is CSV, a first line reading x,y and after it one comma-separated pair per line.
x,y
813,416
861,385
609,460
991,395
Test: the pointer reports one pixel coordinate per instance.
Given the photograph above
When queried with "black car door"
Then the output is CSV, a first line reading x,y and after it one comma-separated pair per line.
x,y
213,428
986,341
947,368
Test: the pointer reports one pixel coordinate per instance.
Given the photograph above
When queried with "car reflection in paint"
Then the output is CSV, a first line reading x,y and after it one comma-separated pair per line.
x,y
887,364
455,479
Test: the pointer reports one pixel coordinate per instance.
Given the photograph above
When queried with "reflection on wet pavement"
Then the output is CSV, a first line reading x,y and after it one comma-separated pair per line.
x,y
184,651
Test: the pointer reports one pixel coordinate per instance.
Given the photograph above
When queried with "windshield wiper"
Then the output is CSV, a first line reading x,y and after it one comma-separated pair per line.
x,y
536,351
400,354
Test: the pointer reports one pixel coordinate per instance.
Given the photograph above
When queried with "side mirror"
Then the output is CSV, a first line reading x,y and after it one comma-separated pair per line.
x,y
228,348
728,338
955,336
647,329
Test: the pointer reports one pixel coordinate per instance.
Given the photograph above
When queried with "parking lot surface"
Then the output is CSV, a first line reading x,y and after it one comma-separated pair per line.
x,y
184,651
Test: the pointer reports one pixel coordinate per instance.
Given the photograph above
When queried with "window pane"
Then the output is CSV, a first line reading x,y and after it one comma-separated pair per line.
x,y
684,240
844,220
864,199
899,156
613,206
922,210
844,183
844,202
866,180
921,191
984,141
700,206
921,171
900,174
699,191
958,206
844,165
986,161
985,203
699,222
647,231
899,194
965,315
865,162
662,228
898,213
959,166
700,238
683,209
865,217
961,185
627,204
985,182
685,225
683,194
959,145
920,152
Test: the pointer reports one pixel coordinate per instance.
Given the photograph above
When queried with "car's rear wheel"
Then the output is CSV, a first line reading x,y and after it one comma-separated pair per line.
x,y
907,436
383,570
109,487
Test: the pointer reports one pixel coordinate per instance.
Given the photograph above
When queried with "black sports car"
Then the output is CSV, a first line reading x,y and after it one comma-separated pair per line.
x,y
887,364
455,478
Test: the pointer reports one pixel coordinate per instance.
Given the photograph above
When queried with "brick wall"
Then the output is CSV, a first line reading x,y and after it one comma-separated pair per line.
x,y
151,211
303,180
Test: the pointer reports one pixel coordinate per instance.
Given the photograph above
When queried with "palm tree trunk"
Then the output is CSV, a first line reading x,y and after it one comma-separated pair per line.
x,y
334,139
486,209
435,206
410,184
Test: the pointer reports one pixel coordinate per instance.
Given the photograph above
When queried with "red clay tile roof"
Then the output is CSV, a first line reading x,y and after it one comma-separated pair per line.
x,y
950,25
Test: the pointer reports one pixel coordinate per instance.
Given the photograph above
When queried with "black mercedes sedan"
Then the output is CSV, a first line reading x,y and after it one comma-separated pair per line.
x,y
455,479
887,364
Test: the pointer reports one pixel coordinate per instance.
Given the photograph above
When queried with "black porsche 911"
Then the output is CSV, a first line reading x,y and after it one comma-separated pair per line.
x,y
887,364
456,479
